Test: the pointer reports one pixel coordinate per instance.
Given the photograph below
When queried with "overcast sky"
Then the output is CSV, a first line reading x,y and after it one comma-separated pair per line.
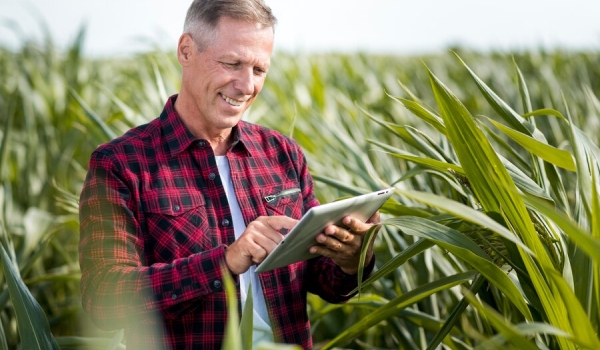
x,y
381,26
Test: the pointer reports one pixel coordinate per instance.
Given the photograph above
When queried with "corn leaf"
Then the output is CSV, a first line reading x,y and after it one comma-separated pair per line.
x,y
366,301
397,305
509,332
105,129
391,265
502,108
423,113
466,213
32,324
494,188
247,323
551,154
587,243
232,339
88,343
465,249
595,232
582,328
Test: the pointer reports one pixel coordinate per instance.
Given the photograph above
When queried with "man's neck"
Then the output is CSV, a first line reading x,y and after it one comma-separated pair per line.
x,y
219,139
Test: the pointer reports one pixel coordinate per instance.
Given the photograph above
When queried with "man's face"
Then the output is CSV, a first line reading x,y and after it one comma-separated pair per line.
x,y
226,77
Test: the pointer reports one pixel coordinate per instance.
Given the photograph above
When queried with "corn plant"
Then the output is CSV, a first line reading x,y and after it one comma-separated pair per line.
x,y
491,240
513,215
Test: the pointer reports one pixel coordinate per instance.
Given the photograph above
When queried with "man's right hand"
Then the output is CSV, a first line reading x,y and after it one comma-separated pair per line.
x,y
256,242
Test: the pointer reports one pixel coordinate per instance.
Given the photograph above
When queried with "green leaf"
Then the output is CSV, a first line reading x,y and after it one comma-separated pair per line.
x,y
115,342
398,304
551,154
423,113
464,212
366,301
3,343
454,318
511,334
278,346
6,130
107,132
595,233
464,249
501,107
583,330
496,190
247,324
32,324
587,243
232,339
344,187
88,343
390,266
367,242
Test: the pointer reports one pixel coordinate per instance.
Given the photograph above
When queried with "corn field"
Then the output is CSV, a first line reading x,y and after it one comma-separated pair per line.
x,y
491,241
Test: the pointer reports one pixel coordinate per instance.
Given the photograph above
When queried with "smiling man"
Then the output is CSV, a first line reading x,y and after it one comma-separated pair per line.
x,y
169,204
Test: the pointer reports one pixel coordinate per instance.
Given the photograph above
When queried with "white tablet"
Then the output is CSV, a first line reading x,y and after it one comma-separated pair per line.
x,y
294,247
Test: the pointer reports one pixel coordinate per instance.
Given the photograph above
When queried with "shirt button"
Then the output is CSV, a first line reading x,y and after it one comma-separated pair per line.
x,y
201,143
174,296
176,208
217,284
212,176
225,222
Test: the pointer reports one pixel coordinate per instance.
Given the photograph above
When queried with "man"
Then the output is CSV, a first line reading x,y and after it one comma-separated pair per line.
x,y
169,203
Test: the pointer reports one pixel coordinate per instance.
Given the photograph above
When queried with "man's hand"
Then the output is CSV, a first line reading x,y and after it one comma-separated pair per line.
x,y
256,242
343,245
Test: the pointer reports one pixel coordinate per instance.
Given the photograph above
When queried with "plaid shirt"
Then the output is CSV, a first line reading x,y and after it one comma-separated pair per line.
x,y
155,223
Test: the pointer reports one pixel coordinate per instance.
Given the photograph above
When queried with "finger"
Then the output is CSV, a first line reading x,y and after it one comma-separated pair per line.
x,y
258,228
375,218
257,252
242,253
336,244
268,243
322,250
279,222
355,225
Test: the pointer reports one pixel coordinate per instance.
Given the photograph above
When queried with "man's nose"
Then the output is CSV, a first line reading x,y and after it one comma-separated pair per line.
x,y
245,81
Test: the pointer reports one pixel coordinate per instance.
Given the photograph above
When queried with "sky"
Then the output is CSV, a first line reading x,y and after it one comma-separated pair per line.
x,y
121,27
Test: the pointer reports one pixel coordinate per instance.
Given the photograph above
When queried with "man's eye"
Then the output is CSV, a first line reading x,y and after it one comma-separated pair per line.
x,y
260,71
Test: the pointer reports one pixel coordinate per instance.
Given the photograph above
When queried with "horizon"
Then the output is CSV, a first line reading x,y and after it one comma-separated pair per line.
x,y
333,26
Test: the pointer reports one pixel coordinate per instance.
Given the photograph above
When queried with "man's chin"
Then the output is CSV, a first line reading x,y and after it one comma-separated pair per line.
x,y
228,122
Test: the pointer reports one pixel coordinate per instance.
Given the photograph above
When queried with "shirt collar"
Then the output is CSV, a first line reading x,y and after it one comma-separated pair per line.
x,y
179,138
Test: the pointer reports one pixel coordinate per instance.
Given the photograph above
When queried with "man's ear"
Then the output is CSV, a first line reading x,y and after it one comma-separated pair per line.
x,y
185,49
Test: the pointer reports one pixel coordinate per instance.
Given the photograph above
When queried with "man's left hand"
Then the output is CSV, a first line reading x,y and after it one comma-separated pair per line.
x,y
343,244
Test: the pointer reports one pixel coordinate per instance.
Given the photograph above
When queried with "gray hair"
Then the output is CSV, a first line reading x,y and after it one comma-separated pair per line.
x,y
203,16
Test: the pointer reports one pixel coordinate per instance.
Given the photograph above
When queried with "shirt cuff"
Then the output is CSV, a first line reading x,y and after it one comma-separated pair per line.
x,y
368,269
209,268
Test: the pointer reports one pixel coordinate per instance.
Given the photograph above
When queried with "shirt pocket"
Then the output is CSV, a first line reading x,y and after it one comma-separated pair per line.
x,y
283,199
177,224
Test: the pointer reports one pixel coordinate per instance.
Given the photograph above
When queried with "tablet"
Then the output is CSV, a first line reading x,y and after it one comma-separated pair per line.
x,y
295,245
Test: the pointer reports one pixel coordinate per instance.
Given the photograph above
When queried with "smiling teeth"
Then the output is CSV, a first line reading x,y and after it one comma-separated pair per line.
x,y
232,101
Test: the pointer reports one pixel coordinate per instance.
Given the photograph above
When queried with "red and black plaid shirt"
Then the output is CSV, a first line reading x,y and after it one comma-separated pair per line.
x,y
155,222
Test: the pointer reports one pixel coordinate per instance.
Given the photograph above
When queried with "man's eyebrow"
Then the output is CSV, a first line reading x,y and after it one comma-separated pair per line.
x,y
233,58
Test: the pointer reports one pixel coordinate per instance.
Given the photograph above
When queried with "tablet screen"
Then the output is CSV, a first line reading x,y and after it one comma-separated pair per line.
x,y
295,245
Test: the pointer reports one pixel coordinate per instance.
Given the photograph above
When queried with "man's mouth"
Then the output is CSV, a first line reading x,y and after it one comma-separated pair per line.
x,y
231,101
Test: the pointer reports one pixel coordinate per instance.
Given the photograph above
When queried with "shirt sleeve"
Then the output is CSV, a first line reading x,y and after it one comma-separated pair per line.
x,y
116,285
328,281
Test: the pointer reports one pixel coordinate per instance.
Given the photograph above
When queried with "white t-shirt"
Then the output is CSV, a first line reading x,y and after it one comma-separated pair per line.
x,y
262,325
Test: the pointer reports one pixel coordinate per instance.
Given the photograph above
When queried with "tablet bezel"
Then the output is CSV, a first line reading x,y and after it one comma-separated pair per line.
x,y
295,245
